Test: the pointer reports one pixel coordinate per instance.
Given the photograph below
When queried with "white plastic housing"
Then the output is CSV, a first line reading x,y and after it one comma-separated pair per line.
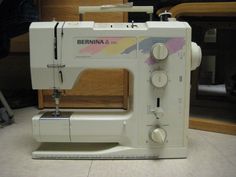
x,y
82,45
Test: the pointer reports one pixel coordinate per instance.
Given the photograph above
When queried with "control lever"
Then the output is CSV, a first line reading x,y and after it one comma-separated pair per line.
x,y
158,112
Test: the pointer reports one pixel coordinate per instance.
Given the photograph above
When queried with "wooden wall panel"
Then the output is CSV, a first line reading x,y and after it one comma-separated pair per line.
x,y
97,82
68,10
79,2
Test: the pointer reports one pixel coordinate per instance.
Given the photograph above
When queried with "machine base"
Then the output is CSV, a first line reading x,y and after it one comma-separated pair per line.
x,y
104,151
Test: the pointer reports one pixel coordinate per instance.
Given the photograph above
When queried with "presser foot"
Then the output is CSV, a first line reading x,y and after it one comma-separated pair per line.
x,y
56,96
52,114
56,114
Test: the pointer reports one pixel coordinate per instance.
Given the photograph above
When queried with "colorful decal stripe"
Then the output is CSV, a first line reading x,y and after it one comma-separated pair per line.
x,y
126,45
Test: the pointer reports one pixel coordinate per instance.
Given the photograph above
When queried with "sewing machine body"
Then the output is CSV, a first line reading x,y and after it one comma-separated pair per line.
x,y
159,89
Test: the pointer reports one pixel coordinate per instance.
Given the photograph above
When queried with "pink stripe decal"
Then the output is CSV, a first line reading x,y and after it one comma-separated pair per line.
x,y
150,61
93,48
174,45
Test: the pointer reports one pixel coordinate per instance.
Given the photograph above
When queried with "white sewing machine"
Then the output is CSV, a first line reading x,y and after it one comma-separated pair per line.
x,y
159,57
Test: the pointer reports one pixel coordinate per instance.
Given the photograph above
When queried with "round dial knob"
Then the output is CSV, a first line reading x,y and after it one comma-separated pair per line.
x,y
158,135
159,51
159,79
196,56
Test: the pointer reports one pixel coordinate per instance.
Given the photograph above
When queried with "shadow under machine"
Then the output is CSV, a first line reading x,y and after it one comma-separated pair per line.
x,y
159,57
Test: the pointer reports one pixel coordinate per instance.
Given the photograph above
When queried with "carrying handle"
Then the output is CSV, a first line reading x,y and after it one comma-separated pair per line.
x,y
127,7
